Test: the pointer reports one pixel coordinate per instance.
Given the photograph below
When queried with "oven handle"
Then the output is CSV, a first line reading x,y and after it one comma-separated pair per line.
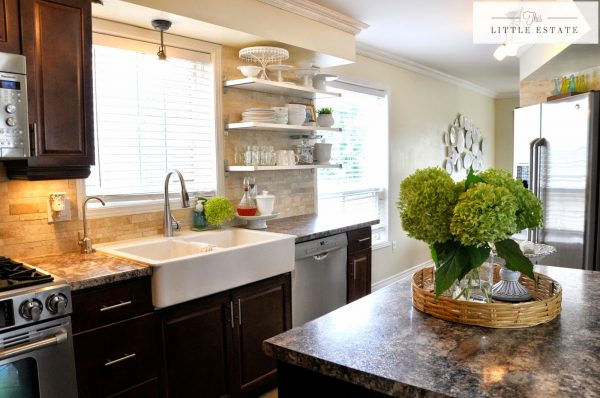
x,y
60,337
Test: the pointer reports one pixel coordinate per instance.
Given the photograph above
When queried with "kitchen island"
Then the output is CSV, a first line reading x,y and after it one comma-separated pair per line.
x,y
381,346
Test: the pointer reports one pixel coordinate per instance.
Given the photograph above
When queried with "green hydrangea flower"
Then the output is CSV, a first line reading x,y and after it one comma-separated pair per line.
x,y
218,210
484,213
529,211
426,200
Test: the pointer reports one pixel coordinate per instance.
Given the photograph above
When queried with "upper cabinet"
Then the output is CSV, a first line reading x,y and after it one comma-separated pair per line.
x,y
56,40
10,40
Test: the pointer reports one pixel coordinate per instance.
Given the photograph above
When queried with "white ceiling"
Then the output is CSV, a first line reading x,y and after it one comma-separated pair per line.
x,y
433,33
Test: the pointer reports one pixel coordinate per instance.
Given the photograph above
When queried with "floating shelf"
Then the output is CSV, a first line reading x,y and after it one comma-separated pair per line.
x,y
272,87
287,128
296,167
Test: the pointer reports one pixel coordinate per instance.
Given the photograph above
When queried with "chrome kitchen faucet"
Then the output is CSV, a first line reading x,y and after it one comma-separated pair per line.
x,y
168,221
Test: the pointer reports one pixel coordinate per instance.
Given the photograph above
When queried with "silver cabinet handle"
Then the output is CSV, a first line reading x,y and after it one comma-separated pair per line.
x,y
357,260
58,338
364,240
240,311
231,309
123,358
112,307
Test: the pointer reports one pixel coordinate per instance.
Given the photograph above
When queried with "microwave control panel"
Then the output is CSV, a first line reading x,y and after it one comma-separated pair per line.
x,y
14,123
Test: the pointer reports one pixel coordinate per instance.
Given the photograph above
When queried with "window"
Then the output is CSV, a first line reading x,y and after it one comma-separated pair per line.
x,y
151,117
361,185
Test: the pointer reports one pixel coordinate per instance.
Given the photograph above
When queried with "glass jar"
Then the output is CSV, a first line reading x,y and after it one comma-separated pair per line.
x,y
477,285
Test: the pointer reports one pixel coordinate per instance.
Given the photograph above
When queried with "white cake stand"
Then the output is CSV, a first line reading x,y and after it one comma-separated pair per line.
x,y
264,56
257,222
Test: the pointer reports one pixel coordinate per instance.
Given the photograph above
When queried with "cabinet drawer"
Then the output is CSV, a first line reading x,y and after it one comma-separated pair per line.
x,y
114,303
359,239
116,357
148,389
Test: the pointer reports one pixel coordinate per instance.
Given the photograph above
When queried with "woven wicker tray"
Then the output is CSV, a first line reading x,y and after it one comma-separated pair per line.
x,y
545,306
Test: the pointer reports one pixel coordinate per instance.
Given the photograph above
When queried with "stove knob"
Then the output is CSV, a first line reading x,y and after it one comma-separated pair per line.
x,y
57,303
31,309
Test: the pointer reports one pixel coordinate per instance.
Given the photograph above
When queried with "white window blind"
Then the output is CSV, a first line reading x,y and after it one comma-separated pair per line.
x,y
361,185
151,117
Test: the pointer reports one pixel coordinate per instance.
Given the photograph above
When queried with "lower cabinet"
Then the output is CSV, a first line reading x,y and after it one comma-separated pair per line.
x,y
359,264
212,347
115,340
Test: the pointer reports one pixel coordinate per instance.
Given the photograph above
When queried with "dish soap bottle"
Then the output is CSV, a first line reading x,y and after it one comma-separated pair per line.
x,y
247,206
199,215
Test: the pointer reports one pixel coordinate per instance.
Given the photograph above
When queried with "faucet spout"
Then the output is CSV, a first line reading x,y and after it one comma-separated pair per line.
x,y
168,221
85,242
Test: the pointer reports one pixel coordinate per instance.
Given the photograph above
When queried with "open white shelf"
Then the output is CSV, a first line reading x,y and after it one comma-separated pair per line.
x,y
296,167
284,128
273,87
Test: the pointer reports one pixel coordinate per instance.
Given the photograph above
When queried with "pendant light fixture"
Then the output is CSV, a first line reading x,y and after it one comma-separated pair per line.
x,y
161,25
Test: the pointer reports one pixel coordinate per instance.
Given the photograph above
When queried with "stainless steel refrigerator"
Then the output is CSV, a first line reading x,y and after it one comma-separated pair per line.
x,y
556,153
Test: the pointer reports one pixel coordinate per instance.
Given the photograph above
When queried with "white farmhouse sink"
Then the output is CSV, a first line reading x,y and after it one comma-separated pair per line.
x,y
183,270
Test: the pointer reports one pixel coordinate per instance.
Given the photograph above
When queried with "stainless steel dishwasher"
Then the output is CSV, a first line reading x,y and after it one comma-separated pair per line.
x,y
319,278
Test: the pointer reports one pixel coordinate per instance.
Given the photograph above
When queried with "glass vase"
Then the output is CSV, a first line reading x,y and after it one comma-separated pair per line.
x,y
476,286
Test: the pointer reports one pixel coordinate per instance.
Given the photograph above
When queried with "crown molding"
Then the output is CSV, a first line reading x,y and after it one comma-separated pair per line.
x,y
405,63
319,13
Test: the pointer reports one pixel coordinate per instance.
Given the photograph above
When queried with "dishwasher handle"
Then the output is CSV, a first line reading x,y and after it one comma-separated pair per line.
x,y
321,257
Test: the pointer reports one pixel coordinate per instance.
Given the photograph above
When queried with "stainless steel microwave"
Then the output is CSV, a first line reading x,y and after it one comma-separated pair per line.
x,y
14,123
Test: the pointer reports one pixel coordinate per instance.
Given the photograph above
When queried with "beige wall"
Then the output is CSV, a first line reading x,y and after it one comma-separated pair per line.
x,y
503,132
420,109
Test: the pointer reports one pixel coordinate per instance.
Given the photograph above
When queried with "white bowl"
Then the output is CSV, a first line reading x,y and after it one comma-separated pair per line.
x,y
249,70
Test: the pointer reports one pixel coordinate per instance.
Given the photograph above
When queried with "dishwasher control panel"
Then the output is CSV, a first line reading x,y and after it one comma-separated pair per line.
x,y
319,246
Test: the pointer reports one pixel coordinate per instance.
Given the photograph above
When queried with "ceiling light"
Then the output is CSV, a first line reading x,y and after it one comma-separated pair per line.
x,y
501,52
161,25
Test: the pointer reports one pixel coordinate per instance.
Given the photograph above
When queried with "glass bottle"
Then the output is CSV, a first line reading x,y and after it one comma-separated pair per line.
x,y
247,206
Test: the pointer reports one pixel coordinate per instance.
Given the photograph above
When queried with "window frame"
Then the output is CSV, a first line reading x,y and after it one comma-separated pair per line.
x,y
119,205
370,88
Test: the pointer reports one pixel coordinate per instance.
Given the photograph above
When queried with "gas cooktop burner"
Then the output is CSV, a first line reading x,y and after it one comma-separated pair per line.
x,y
14,275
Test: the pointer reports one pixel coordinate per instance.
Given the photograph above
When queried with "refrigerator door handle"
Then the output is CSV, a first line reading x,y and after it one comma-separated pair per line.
x,y
532,177
536,183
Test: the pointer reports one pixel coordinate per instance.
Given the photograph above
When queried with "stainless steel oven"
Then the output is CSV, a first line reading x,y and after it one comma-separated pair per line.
x,y
36,346
37,361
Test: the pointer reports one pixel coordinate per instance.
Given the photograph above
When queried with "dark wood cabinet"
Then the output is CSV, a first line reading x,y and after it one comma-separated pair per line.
x,y
359,264
115,340
10,39
56,38
212,347
197,348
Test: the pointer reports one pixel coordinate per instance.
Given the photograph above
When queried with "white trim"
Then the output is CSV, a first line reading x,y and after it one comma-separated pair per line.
x,y
319,13
381,245
407,273
514,94
405,63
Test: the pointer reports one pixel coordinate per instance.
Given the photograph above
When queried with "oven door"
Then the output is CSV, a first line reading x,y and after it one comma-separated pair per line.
x,y
38,362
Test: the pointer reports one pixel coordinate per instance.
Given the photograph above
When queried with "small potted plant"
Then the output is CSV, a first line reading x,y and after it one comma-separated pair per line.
x,y
325,118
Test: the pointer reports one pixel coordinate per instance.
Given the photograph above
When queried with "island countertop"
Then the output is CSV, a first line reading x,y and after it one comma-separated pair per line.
x,y
382,343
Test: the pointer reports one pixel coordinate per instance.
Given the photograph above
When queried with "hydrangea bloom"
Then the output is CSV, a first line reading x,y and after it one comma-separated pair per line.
x,y
426,201
218,210
529,213
484,213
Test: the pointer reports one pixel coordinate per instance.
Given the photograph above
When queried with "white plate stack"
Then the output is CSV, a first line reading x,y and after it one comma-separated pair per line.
x,y
281,114
296,114
260,115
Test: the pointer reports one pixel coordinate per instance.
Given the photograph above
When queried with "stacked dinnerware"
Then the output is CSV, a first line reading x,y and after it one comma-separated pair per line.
x,y
281,114
296,113
261,115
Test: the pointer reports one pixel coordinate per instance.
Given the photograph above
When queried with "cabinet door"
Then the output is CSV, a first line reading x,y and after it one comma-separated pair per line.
x,y
196,348
10,41
56,38
359,274
263,310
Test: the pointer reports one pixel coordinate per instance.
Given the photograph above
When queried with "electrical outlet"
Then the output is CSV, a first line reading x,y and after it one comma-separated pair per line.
x,y
64,215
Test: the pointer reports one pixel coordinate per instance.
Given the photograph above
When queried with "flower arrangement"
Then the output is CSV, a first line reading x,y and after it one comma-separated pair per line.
x,y
218,210
463,221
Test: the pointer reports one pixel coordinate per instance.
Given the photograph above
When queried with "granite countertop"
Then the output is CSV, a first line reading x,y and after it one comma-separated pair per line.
x,y
88,270
382,343
312,226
